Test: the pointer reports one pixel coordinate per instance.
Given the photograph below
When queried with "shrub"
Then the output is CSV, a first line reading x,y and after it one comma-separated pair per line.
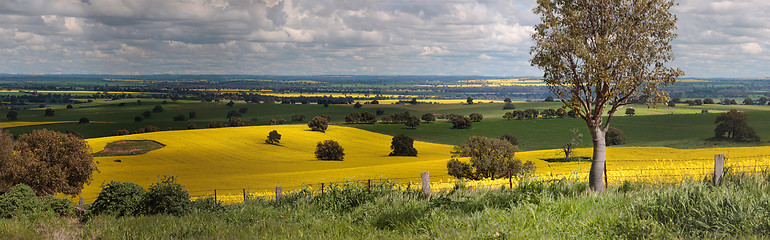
x,y
233,113
243,110
329,150
614,137
235,122
166,197
192,126
147,114
138,119
375,101
179,117
84,120
151,128
733,125
489,157
192,115
217,124
230,104
318,124
20,200
379,112
120,132
358,105
508,106
157,109
476,117
412,122
12,115
69,106
62,206
49,112
119,199
402,145
273,137
460,169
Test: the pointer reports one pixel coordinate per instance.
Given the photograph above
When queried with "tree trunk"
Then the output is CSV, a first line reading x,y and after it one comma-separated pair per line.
x,y
595,180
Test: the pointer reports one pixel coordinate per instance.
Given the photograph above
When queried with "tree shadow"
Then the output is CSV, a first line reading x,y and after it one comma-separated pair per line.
x,y
572,159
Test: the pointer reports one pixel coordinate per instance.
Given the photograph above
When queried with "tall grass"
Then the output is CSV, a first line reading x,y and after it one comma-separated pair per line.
x,y
737,207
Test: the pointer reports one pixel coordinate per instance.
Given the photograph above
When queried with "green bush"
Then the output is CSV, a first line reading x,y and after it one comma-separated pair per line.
x,y
166,197
62,206
118,198
20,200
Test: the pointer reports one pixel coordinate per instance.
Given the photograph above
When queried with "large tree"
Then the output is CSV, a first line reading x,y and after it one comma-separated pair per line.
x,y
599,54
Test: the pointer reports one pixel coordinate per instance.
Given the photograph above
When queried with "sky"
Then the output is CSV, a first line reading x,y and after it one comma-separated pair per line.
x,y
319,37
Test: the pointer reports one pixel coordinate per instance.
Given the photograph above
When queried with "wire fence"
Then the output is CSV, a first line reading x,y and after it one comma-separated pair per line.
x,y
618,171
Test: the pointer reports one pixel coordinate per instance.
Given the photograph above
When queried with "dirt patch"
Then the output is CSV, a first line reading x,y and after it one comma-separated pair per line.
x,y
129,147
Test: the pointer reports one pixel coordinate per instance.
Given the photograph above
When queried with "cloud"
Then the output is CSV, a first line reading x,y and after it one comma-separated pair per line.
x,y
489,37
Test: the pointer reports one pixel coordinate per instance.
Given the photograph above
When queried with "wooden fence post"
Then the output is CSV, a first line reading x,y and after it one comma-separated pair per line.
x,y
244,195
369,185
215,196
322,189
425,183
719,167
81,202
278,193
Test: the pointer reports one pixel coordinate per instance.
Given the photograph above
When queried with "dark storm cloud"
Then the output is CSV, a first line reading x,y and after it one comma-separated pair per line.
x,y
489,37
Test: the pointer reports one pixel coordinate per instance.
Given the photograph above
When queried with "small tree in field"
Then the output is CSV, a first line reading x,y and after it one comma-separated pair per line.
x,y
84,120
594,53
412,122
461,122
318,124
476,117
615,137
402,145
428,118
157,109
49,112
733,125
511,139
47,161
570,146
12,115
329,150
273,137
469,100
630,111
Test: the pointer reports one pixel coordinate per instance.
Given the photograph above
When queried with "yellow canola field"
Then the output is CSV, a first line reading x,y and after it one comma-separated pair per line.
x,y
22,124
232,159
237,158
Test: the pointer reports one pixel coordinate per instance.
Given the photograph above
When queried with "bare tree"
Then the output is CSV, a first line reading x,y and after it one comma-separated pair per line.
x,y
569,147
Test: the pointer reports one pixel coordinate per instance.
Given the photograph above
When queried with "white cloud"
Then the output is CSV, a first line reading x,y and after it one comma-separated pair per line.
x,y
751,48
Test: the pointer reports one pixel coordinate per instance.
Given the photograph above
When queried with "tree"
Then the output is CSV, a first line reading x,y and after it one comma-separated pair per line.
x,y
47,161
235,122
476,117
508,106
375,102
233,113
273,137
561,113
69,106
192,126
469,100
230,104
507,100
49,112
762,100
191,115
428,118
413,101
12,115
146,114
402,145
615,137
597,52
84,120
511,139
531,113
708,101
461,122
138,119
216,124
357,105
748,101
490,157
318,124
243,110
733,125
380,112
157,109
179,117
329,150
166,197
138,102
412,122
569,147
548,99
676,100
630,111
508,116
549,113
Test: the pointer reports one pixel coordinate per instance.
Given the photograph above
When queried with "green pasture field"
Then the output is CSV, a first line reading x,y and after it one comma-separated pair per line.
x,y
679,127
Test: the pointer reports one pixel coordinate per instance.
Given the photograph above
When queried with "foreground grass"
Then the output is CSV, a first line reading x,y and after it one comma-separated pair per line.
x,y
737,207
